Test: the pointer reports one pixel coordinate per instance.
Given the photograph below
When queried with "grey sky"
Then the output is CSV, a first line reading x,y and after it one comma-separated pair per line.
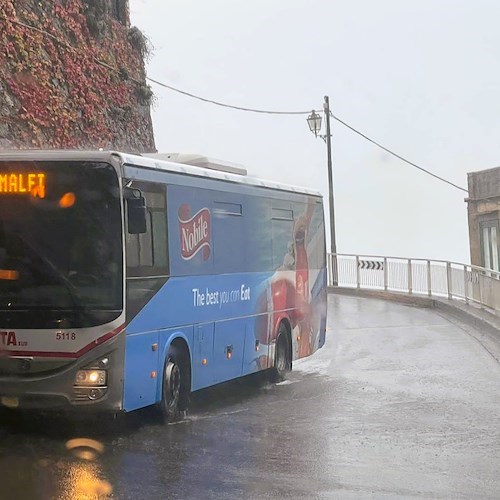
x,y
421,77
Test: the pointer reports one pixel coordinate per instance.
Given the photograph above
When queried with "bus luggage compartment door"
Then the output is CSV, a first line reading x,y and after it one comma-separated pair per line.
x,y
203,356
229,341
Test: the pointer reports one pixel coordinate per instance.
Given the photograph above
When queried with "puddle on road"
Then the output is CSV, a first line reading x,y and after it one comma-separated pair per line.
x,y
197,417
287,382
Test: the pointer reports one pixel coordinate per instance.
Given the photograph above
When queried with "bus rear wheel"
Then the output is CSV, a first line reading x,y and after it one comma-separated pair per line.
x,y
282,355
175,386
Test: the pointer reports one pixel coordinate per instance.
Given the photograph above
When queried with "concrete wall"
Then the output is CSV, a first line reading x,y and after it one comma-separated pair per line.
x,y
77,81
483,207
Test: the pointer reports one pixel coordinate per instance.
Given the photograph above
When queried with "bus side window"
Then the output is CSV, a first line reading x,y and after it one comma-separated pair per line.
x,y
146,243
283,250
140,247
228,237
132,249
160,250
147,253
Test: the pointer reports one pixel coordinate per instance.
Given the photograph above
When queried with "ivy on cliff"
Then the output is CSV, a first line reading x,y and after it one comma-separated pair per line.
x,y
63,96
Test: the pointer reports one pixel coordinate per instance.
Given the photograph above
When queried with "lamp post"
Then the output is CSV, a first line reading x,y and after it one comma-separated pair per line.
x,y
314,122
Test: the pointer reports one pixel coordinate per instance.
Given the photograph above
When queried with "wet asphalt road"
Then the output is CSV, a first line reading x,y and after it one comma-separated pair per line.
x,y
400,403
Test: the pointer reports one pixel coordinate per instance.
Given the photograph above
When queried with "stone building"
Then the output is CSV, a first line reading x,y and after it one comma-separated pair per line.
x,y
484,217
72,76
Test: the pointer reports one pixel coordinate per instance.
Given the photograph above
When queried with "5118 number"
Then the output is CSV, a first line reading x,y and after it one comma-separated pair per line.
x,y
65,336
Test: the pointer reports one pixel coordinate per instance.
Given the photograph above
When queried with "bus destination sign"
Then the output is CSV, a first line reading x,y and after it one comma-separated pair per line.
x,y
23,183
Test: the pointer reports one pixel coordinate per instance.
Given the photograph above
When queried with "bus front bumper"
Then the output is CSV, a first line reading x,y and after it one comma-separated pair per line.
x,y
59,391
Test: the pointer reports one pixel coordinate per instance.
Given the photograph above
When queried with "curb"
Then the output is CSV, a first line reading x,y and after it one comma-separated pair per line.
x,y
480,319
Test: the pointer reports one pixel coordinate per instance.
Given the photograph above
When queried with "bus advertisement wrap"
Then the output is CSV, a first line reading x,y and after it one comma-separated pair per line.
x,y
127,282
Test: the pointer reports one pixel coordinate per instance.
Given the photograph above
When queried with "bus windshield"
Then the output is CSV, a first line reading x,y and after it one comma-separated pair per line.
x,y
60,244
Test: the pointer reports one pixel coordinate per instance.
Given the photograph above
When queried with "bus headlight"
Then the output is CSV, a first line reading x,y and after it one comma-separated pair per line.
x,y
91,378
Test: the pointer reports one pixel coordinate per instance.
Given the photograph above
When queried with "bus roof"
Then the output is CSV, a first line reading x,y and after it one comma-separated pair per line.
x,y
229,172
199,161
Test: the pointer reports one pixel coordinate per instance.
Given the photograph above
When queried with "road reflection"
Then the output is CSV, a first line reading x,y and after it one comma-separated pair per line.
x,y
84,480
133,456
84,448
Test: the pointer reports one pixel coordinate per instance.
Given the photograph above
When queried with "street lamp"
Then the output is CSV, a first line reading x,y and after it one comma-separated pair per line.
x,y
314,122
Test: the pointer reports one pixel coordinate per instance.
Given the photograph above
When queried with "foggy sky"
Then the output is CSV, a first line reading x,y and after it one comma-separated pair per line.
x,y
421,77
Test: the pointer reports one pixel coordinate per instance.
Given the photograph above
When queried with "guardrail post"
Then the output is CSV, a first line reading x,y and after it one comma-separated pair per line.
x,y
385,274
429,279
358,278
330,270
479,274
466,286
335,270
410,280
448,280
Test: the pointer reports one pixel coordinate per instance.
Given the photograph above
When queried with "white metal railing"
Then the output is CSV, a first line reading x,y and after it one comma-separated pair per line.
x,y
416,276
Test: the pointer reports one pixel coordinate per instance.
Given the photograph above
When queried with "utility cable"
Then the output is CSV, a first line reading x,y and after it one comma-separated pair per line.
x,y
217,103
161,84
238,108
395,154
252,110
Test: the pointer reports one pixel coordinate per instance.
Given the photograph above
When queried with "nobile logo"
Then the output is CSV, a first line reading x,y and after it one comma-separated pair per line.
x,y
194,232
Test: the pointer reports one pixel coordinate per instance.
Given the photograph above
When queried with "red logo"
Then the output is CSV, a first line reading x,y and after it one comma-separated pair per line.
x,y
194,232
8,338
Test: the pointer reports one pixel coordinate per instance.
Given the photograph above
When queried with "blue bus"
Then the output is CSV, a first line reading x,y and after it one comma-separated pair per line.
x,y
129,281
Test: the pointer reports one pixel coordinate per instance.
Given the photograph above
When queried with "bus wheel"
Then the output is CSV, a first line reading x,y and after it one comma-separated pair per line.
x,y
172,393
282,354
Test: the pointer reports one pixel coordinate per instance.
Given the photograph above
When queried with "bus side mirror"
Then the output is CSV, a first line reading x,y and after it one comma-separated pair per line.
x,y
136,215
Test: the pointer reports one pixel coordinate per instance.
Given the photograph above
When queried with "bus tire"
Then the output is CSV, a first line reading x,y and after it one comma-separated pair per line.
x,y
175,387
282,354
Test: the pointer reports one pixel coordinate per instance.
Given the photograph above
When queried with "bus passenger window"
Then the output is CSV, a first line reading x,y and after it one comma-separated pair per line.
x,y
132,249
159,223
283,252
147,253
146,244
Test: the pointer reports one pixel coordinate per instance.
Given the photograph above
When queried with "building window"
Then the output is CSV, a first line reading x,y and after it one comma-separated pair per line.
x,y
489,245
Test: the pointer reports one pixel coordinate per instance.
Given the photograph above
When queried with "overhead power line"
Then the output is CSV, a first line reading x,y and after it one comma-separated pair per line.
x,y
161,84
224,105
238,108
396,155
336,118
